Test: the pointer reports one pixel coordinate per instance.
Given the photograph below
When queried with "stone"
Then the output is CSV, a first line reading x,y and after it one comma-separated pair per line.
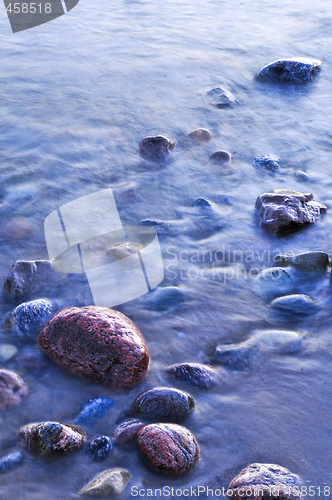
x,y
284,210
272,281
197,374
264,481
309,261
295,303
163,403
51,439
31,359
165,297
202,202
156,148
301,176
290,70
126,432
281,341
97,343
7,352
28,319
12,389
156,223
99,447
220,157
122,250
235,356
11,461
93,410
200,135
220,98
108,483
168,448
268,162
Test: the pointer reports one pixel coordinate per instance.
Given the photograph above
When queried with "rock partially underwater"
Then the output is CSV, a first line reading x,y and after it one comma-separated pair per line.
x,y
108,483
290,70
12,389
197,374
163,403
27,320
155,148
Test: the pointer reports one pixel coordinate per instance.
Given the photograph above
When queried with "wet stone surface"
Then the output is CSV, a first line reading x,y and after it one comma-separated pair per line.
x,y
268,162
273,281
220,98
235,356
309,261
99,447
220,157
12,389
200,135
126,432
197,374
163,403
27,320
290,70
155,148
281,341
295,303
11,461
93,410
108,483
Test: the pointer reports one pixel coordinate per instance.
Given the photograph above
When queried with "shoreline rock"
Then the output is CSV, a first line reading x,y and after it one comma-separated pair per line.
x,y
297,303
308,261
163,402
200,135
99,447
155,148
108,483
29,318
220,98
290,70
197,374
268,162
12,389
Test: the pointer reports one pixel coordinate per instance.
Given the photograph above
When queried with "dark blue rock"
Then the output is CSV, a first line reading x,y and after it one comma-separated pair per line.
x,y
28,319
196,374
290,70
99,447
268,162
220,157
235,356
93,410
202,202
219,97
169,296
11,461
157,224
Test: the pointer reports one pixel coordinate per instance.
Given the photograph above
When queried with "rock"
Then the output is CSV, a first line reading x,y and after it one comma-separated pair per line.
x,y
197,374
268,162
301,176
122,250
168,448
93,410
32,360
200,135
290,70
126,432
51,439
296,303
283,210
109,483
163,298
281,341
220,157
265,481
156,148
99,447
202,202
28,319
157,224
12,389
7,351
11,461
309,261
235,356
163,402
220,98
97,343
272,281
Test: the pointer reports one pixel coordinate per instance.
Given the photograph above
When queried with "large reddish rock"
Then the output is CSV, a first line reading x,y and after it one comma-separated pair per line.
x,y
168,448
97,343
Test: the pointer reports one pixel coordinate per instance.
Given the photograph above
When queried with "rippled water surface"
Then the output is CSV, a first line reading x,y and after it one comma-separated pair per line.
x,y
77,95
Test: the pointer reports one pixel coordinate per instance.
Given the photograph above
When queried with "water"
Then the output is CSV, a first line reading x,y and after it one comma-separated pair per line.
x,y
77,95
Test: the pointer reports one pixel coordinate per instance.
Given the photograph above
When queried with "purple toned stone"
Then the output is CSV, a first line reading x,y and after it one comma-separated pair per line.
x,y
164,403
126,432
197,374
12,389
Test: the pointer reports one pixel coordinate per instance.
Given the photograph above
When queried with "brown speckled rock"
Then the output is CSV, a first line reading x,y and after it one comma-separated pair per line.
x,y
168,448
12,389
109,483
155,148
97,343
261,481
126,432
200,135
163,403
198,374
51,439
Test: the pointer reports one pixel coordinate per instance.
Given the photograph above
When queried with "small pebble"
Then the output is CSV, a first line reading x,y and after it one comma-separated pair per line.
x,y
163,402
296,303
29,318
126,432
11,461
197,374
220,98
12,389
99,447
156,148
268,162
200,135
7,351
220,157
108,483
281,341
93,410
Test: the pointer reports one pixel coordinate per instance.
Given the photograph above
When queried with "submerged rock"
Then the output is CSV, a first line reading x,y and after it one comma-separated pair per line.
x,y
268,162
168,448
7,352
51,439
281,341
291,70
97,343
235,356
10,461
165,297
309,261
99,447
200,135
301,176
282,210
262,481
163,402
28,319
220,98
197,374
157,224
109,483
126,432
12,389
93,410
296,303
156,148
220,157
272,281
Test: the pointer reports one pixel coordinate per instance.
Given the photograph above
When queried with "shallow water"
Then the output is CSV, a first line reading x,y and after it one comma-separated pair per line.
x,y
77,95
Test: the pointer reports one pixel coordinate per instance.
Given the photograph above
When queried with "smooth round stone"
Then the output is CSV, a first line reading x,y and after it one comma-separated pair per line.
x,y
168,448
126,432
28,319
200,135
273,280
12,389
163,402
197,374
268,162
51,439
156,148
108,483
165,297
202,202
220,98
220,157
296,303
122,250
11,461
235,356
291,70
282,341
97,343
7,351
308,261
99,447
264,481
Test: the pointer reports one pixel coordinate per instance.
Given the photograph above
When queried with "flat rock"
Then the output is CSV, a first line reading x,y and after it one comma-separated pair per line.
x,y
12,389
273,281
51,439
283,210
265,481
220,157
309,261
168,448
220,98
164,403
235,356
197,374
291,70
11,461
155,148
99,447
281,341
93,410
108,483
97,343
200,135
28,319
127,431
295,303
267,162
